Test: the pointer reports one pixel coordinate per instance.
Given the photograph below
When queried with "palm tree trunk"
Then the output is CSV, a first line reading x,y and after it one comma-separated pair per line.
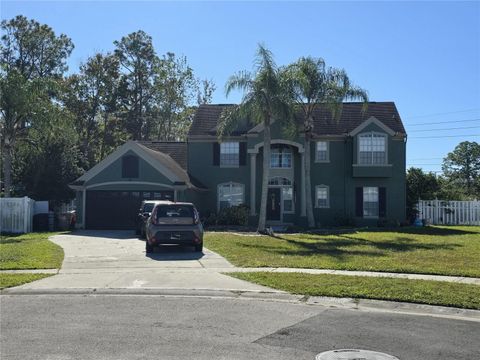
x,y
308,181
266,172
7,170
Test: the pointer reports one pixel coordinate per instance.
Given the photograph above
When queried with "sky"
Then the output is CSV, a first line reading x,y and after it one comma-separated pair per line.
x,y
424,56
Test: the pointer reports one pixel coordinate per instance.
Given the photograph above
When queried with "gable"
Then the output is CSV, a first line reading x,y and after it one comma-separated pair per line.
x,y
114,172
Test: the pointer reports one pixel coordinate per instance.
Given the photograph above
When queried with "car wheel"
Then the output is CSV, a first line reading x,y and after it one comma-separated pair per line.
x,y
199,248
148,247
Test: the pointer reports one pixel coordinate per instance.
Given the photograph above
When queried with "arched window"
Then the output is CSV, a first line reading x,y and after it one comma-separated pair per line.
x,y
230,194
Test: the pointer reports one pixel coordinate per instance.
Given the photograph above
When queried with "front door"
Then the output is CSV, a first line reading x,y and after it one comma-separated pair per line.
x,y
273,204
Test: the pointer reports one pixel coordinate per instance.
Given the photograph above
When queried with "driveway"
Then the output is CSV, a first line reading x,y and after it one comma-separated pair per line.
x,y
117,260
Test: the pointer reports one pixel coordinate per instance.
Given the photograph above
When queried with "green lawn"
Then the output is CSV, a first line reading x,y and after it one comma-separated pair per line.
x,y
29,251
451,250
9,280
416,291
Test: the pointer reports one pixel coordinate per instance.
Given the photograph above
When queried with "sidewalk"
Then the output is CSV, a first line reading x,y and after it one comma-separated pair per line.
x,y
453,279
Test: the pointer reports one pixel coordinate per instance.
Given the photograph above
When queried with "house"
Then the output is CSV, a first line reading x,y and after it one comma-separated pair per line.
x,y
357,171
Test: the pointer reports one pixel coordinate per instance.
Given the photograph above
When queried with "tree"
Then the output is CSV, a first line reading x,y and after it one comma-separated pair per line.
x,y
312,85
139,62
461,168
48,161
264,99
175,89
205,93
420,185
31,56
90,96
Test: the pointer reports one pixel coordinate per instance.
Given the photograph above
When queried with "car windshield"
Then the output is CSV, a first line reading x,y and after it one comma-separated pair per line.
x,y
175,211
148,207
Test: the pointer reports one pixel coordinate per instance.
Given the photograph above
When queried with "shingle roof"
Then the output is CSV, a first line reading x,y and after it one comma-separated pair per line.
x,y
177,150
206,118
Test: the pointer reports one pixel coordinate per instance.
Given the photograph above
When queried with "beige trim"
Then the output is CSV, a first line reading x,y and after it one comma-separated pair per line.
x,y
372,120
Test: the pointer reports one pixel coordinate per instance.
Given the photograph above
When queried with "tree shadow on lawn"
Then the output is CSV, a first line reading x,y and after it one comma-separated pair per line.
x,y
338,247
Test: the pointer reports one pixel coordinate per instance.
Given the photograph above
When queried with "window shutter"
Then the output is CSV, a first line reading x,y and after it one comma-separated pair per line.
x,y
216,154
382,202
243,154
359,202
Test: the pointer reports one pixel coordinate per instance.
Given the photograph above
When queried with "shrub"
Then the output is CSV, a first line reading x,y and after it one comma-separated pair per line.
x,y
234,215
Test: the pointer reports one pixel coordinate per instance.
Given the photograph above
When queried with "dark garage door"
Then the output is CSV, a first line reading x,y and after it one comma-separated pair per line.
x,y
117,210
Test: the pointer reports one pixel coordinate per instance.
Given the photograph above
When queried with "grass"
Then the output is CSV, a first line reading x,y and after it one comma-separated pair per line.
x,y
451,250
415,291
9,280
29,251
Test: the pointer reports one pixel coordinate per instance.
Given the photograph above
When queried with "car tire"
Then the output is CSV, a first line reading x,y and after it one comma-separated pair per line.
x,y
148,248
199,248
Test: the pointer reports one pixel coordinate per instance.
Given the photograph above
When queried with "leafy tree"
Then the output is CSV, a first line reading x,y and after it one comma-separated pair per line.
x,y
47,162
461,168
175,89
312,84
420,185
90,96
264,99
138,62
205,93
31,55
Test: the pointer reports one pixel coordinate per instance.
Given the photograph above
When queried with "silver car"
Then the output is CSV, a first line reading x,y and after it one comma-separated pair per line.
x,y
174,223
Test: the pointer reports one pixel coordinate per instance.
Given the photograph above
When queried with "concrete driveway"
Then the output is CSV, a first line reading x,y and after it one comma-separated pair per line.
x,y
117,260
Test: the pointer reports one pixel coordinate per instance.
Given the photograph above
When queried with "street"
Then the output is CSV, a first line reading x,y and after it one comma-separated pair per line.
x,y
178,327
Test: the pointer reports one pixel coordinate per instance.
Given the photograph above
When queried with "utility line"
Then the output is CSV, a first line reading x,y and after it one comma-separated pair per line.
x,y
443,122
455,128
443,113
443,136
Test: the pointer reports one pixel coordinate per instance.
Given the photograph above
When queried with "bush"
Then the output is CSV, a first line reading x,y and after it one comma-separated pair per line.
x,y
234,215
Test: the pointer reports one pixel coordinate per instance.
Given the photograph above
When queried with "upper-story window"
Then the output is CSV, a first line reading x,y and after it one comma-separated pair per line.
x,y
130,166
229,153
372,148
280,157
322,151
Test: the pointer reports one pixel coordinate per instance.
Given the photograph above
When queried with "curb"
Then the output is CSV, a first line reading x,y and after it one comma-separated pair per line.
x,y
364,305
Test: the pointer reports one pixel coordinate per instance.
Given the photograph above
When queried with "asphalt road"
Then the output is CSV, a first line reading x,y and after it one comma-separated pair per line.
x,y
61,327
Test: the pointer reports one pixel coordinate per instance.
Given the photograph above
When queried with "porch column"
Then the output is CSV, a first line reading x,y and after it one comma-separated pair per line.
x,y
253,168
84,205
303,201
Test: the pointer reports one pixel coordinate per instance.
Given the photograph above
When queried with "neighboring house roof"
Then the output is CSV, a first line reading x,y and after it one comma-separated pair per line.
x,y
207,116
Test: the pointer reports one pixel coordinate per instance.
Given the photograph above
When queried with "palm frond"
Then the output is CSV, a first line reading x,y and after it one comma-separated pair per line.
x,y
239,81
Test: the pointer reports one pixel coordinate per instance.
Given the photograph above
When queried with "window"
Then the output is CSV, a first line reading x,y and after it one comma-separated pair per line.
x,y
287,196
280,157
229,154
230,194
372,149
370,202
322,151
322,194
130,166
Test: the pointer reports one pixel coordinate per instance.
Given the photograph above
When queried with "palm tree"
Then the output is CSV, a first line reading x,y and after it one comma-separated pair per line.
x,y
312,84
264,100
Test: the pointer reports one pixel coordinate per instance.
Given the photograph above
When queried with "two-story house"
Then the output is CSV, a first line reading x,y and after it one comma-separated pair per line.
x,y
357,171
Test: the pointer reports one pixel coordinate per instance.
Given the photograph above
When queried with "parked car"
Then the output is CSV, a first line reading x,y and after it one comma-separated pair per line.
x,y
174,223
144,213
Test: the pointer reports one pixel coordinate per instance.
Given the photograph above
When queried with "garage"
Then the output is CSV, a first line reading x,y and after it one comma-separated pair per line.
x,y
117,210
108,196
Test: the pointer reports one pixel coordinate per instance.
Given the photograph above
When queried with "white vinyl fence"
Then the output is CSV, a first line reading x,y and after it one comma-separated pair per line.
x,y
442,212
16,215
